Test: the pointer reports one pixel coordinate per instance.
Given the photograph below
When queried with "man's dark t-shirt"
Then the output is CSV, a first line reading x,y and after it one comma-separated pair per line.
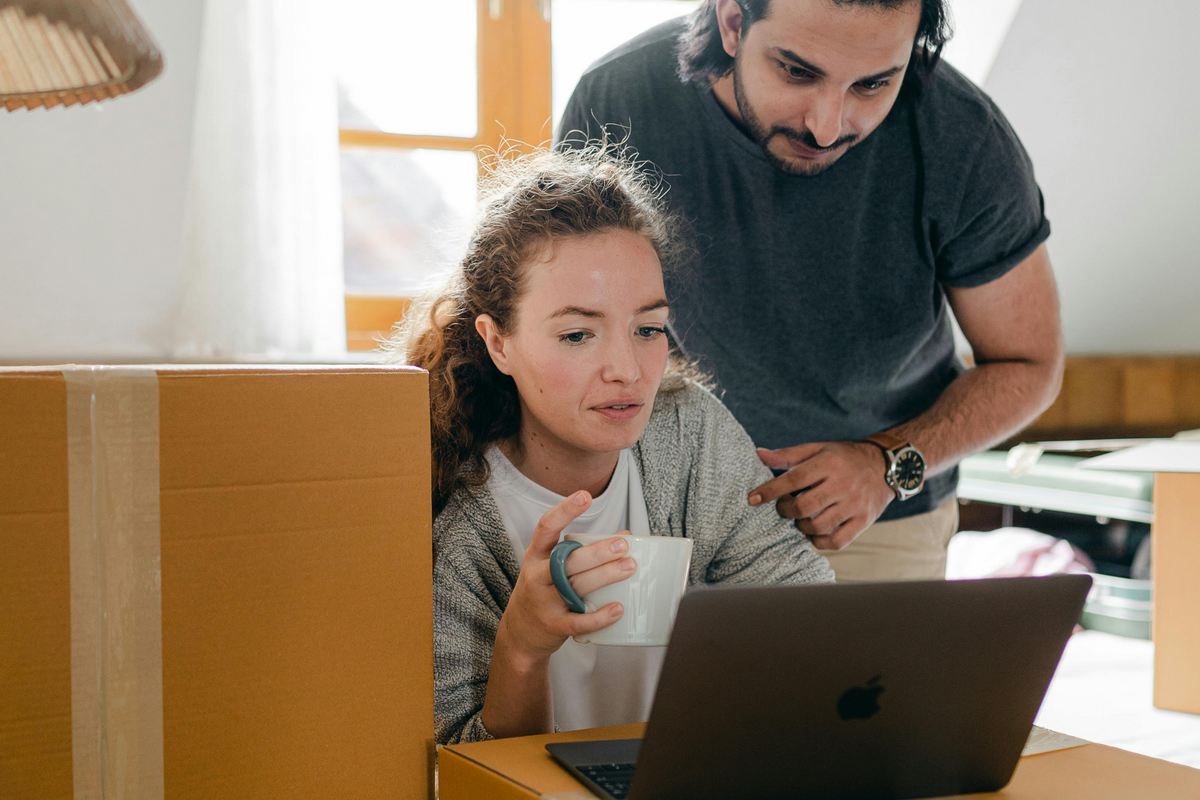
x,y
816,302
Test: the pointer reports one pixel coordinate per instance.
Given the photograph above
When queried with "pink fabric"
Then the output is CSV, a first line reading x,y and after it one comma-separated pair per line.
x,y
1012,552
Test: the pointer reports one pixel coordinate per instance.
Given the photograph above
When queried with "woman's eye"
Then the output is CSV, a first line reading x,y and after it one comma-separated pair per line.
x,y
650,331
574,337
872,86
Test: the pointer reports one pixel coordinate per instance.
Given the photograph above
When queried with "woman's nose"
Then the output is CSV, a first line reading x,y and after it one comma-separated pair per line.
x,y
621,364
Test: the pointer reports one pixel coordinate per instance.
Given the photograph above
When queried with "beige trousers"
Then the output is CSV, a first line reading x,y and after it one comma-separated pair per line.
x,y
913,548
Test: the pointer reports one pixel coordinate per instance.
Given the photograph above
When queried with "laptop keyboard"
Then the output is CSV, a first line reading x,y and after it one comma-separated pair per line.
x,y
612,778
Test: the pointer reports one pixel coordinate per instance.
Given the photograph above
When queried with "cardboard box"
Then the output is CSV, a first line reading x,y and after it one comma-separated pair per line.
x,y
520,768
215,583
1175,564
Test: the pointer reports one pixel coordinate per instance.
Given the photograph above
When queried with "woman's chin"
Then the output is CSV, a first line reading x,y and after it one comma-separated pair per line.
x,y
616,438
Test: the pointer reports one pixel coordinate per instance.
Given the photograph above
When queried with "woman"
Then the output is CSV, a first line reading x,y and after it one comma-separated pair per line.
x,y
555,405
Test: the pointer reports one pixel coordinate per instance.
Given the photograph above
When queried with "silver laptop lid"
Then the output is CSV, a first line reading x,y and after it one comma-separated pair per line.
x,y
910,689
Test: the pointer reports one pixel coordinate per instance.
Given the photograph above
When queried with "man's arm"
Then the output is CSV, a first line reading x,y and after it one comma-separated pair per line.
x,y
1013,326
1015,332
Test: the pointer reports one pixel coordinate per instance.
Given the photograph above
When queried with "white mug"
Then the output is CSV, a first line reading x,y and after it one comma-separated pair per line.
x,y
649,596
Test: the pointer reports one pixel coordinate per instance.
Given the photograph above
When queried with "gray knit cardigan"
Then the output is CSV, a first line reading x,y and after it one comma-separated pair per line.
x,y
697,466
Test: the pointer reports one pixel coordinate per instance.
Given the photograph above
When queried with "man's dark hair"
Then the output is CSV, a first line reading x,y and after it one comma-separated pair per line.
x,y
702,57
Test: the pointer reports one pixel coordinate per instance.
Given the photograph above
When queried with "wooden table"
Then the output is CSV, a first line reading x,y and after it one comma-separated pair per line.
x,y
520,768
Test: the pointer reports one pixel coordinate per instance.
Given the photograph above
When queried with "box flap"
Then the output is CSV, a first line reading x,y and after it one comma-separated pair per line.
x,y
1163,456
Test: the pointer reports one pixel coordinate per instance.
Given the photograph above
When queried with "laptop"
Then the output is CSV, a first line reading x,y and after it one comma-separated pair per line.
x,y
913,689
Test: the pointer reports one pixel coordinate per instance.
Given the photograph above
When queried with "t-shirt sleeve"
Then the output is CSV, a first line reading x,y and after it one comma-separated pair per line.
x,y
591,114
1000,219
573,129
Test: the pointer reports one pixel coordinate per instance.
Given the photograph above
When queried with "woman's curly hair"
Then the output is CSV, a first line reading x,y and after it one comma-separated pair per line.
x,y
526,203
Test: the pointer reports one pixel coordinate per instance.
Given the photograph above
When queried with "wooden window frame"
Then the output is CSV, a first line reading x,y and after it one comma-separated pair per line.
x,y
513,105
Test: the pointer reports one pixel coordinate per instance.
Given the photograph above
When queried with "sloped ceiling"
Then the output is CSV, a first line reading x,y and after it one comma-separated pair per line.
x,y
1100,92
980,27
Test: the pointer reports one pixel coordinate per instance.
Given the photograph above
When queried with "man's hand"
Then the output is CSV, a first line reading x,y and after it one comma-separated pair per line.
x,y
833,490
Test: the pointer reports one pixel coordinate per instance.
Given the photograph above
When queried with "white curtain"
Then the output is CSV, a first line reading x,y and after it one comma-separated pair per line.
x,y
262,265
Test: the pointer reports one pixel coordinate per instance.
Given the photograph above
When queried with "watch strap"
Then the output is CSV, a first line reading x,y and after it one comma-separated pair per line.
x,y
886,441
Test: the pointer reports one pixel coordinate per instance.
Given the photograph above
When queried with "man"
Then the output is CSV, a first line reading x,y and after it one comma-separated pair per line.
x,y
842,188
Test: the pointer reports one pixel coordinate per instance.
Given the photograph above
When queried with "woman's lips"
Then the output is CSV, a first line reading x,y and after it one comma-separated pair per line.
x,y
619,411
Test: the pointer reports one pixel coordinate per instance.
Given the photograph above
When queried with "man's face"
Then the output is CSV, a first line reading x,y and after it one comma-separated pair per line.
x,y
812,79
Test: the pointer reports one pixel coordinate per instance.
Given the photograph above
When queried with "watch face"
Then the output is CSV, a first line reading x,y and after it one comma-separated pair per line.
x,y
910,470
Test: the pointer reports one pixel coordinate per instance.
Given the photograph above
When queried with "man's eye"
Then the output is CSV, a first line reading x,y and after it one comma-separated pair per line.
x,y
796,73
574,337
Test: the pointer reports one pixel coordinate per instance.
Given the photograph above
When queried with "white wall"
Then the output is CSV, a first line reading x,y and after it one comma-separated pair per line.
x,y
1102,94
980,27
91,211
91,199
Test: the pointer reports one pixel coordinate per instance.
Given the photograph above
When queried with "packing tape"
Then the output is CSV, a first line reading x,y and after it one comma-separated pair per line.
x,y
116,598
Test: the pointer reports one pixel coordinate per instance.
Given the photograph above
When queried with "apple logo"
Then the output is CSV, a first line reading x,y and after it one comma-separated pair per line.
x,y
861,702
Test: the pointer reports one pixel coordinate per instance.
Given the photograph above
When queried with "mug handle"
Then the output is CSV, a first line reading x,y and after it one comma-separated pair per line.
x,y
558,573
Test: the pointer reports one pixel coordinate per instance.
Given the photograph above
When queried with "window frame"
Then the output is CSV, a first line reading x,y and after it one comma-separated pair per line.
x,y
513,107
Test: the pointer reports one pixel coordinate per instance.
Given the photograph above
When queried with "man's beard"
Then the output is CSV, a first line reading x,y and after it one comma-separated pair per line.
x,y
762,135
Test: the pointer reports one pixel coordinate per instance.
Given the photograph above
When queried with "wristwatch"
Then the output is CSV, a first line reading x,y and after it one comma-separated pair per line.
x,y
905,473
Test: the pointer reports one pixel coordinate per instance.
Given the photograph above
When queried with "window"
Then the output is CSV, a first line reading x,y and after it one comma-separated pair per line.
x,y
585,30
422,88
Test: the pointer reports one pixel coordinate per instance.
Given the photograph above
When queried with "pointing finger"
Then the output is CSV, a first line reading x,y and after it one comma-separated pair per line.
x,y
784,457
796,479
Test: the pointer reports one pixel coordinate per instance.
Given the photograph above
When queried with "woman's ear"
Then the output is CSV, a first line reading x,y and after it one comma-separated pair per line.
x,y
495,342
729,22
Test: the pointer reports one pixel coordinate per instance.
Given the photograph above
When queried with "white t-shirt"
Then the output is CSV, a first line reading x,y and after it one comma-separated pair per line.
x,y
591,685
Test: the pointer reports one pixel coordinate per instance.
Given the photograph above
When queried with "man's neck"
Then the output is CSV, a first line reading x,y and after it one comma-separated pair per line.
x,y
722,89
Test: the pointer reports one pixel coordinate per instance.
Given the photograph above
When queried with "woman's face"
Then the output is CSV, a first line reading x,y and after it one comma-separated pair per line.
x,y
589,346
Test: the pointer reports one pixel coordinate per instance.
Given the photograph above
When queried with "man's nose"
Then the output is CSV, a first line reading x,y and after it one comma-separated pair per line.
x,y
824,118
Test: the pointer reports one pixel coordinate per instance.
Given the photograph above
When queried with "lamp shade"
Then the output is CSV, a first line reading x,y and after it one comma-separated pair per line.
x,y
65,52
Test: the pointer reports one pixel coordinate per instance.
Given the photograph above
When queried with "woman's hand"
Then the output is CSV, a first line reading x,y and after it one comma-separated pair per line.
x,y
537,622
